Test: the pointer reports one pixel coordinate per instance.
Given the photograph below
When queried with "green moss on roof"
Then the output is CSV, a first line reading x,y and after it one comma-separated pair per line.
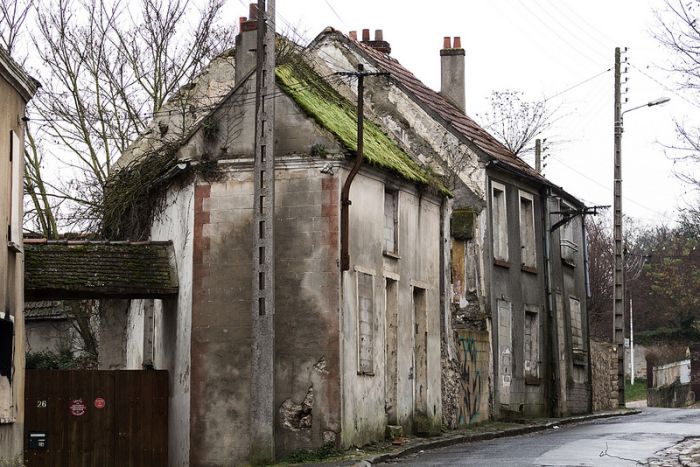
x,y
336,114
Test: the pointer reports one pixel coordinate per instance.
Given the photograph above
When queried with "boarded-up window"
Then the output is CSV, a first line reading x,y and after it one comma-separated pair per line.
x,y
499,221
576,330
527,230
391,241
532,342
505,350
15,190
568,244
365,323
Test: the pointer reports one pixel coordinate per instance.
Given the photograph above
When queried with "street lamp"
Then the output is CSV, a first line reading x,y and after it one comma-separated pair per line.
x,y
619,288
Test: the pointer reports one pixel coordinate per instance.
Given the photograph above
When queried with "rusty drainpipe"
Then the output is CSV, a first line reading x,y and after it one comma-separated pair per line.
x,y
345,194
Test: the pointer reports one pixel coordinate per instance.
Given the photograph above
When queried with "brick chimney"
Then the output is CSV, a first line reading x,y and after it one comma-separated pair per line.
x,y
378,43
452,72
247,42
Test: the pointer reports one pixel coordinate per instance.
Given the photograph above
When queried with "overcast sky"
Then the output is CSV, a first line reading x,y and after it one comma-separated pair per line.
x,y
540,47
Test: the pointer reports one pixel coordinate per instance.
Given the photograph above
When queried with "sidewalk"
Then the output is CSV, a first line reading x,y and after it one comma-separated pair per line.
x,y
383,452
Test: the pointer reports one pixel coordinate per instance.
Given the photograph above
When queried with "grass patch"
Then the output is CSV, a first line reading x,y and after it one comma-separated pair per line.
x,y
636,391
308,455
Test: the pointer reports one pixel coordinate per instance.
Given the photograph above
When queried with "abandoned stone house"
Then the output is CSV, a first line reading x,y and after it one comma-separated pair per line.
x,y
465,296
355,350
515,340
16,89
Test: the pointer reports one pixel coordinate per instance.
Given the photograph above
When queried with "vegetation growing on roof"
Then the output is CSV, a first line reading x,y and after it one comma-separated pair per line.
x,y
335,113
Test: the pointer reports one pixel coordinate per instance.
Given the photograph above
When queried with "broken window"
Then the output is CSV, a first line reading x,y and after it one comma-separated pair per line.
x,y
391,221
365,323
15,229
532,342
499,221
527,230
568,245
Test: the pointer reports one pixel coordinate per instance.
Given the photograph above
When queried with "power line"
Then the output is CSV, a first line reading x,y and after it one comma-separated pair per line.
x,y
664,86
578,84
335,13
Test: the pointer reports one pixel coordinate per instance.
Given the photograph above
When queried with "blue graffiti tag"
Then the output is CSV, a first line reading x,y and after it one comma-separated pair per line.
x,y
470,380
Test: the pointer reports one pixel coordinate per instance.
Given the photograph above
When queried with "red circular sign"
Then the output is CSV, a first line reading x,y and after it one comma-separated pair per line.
x,y
77,407
99,403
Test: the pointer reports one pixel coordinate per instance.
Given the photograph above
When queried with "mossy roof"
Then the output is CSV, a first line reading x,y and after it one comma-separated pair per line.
x,y
81,269
337,115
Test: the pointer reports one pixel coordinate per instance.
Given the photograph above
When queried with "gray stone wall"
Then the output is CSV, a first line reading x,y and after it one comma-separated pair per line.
x,y
604,375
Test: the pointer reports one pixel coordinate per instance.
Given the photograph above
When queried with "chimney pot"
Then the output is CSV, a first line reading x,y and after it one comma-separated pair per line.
x,y
365,34
253,11
353,35
457,43
452,58
378,35
447,42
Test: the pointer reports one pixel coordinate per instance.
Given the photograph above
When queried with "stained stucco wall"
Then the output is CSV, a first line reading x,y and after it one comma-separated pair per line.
x,y
417,394
173,317
11,278
306,321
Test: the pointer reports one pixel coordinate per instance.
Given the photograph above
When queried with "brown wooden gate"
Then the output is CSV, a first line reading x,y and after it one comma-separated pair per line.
x,y
96,418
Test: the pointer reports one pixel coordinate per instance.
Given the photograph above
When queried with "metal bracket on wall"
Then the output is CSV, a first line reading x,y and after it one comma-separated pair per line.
x,y
572,213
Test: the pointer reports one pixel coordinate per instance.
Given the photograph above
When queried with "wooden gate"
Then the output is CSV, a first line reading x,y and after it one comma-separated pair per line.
x,y
113,418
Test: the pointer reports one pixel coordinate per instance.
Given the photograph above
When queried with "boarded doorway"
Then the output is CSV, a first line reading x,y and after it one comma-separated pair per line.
x,y
96,418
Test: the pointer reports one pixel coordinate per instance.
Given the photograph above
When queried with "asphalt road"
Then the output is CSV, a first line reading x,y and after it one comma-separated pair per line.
x,y
621,441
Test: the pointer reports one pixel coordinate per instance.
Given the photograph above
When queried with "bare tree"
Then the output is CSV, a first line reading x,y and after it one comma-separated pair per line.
x,y
13,14
678,30
517,122
107,67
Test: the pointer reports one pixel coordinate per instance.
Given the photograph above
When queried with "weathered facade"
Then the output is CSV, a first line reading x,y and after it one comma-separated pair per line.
x,y
16,89
514,277
355,350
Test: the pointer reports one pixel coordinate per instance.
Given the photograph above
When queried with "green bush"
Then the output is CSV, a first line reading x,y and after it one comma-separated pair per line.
x,y
63,360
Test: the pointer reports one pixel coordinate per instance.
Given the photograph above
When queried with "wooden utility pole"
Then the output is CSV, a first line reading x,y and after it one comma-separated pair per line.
x,y
345,194
538,155
262,388
619,288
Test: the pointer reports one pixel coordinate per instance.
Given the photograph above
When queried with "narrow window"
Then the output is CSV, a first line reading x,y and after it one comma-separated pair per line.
x,y
505,350
365,323
391,220
16,191
568,245
391,299
527,231
499,221
420,350
576,330
532,342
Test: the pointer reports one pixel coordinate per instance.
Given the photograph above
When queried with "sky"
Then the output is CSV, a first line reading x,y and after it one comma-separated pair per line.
x,y
544,48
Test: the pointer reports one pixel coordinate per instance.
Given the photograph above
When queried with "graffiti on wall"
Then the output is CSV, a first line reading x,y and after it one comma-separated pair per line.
x,y
470,380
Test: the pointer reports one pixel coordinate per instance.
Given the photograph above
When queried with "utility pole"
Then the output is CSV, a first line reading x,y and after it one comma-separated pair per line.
x,y
619,288
345,194
631,344
262,388
538,155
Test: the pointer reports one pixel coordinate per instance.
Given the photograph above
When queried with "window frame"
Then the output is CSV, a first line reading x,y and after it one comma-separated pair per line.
x,y
395,207
533,372
368,370
14,240
528,256
568,248
499,222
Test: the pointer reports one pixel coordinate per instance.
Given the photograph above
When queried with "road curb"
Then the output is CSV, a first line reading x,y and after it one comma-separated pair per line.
x,y
470,438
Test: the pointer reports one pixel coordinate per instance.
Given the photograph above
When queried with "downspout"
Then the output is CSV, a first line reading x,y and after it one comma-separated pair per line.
x,y
345,194
553,379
